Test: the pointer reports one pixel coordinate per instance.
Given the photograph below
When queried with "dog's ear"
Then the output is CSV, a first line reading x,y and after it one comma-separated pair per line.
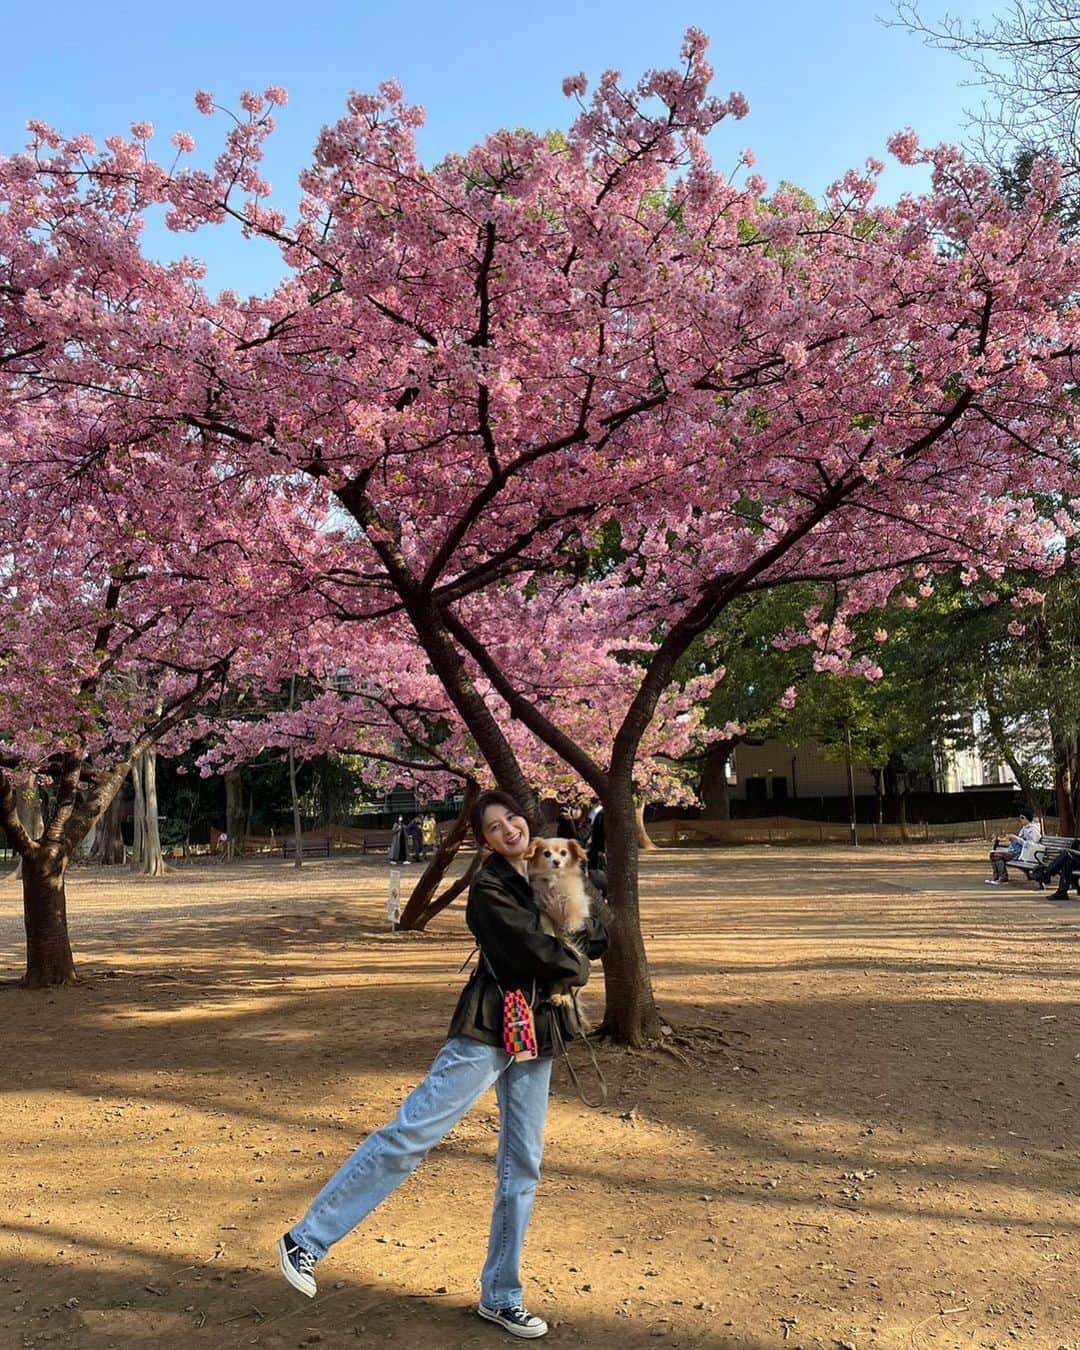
x,y
576,851
532,850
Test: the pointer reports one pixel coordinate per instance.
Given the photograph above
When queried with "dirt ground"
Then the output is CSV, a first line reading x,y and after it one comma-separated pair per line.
x,y
864,1134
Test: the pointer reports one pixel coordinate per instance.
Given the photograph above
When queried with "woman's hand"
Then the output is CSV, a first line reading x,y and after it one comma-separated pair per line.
x,y
553,906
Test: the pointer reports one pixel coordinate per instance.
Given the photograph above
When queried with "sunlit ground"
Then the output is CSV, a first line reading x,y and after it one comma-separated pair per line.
x,y
864,1131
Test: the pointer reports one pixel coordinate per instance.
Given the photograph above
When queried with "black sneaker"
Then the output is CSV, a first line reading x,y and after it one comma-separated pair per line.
x,y
516,1321
297,1264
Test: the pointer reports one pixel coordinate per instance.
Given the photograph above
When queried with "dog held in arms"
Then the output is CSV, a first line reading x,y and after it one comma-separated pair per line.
x,y
555,875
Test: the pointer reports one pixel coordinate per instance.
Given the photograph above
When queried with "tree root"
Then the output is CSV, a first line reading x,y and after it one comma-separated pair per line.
x,y
71,981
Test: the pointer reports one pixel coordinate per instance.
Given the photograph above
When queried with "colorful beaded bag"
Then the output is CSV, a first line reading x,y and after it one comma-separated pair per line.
x,y
519,1029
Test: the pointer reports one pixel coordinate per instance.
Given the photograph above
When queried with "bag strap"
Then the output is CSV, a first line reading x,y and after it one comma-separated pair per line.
x,y
531,1001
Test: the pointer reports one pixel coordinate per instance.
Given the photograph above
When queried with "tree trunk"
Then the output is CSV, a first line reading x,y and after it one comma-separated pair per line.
x,y
48,951
28,805
454,676
644,842
1067,780
138,818
109,843
630,1013
895,797
146,855
418,911
451,893
234,814
155,861
715,793
298,829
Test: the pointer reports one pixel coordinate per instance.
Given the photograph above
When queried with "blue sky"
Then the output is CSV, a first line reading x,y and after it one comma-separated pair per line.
x,y
827,83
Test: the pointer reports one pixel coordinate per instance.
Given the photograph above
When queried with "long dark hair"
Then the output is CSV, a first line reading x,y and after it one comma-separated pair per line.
x,y
486,799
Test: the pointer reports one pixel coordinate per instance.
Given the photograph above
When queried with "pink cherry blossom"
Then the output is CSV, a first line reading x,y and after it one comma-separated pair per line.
x,y
481,375
905,146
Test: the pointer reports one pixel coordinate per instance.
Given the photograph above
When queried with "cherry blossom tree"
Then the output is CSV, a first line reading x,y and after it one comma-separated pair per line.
x,y
593,343
123,618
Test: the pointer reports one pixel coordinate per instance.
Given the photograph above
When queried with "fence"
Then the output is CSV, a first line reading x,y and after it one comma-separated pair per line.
x,y
789,830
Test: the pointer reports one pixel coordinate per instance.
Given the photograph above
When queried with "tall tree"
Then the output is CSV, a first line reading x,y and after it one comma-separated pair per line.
x,y
112,643
486,363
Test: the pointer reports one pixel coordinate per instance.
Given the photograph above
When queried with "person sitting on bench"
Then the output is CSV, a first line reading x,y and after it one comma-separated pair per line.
x,y
1065,867
1029,836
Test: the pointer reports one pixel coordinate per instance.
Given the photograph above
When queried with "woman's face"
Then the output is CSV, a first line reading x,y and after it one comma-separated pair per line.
x,y
505,832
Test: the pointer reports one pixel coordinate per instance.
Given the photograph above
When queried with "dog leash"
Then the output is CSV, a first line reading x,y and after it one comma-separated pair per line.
x,y
557,1036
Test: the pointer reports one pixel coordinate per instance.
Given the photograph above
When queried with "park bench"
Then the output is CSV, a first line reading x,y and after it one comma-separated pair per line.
x,y
309,848
1044,853
376,841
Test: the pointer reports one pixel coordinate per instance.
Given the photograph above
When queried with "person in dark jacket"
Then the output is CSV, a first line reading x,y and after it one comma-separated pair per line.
x,y
1066,867
516,954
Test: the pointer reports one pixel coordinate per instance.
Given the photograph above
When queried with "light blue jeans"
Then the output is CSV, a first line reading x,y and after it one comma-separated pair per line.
x,y
462,1072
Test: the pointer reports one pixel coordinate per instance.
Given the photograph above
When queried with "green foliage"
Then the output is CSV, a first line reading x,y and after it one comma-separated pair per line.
x,y
757,672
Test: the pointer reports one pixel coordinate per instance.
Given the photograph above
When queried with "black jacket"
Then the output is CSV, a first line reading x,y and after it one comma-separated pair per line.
x,y
515,952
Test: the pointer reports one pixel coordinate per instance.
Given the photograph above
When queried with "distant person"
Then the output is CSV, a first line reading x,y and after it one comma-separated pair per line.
x,y
1020,846
565,827
429,834
582,823
415,831
399,849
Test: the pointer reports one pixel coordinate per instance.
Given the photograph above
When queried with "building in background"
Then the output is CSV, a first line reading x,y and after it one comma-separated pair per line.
x,y
769,774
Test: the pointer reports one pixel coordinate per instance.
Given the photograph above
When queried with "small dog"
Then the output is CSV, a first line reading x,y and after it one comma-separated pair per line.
x,y
557,881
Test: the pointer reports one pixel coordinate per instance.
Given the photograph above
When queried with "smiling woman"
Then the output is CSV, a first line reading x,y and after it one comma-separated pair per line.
x,y
519,963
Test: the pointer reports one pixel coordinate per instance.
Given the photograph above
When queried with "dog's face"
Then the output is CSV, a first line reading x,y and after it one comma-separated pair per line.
x,y
554,855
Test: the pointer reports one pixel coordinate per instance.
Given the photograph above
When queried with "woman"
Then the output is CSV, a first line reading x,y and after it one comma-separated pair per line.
x,y
515,954
1028,837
